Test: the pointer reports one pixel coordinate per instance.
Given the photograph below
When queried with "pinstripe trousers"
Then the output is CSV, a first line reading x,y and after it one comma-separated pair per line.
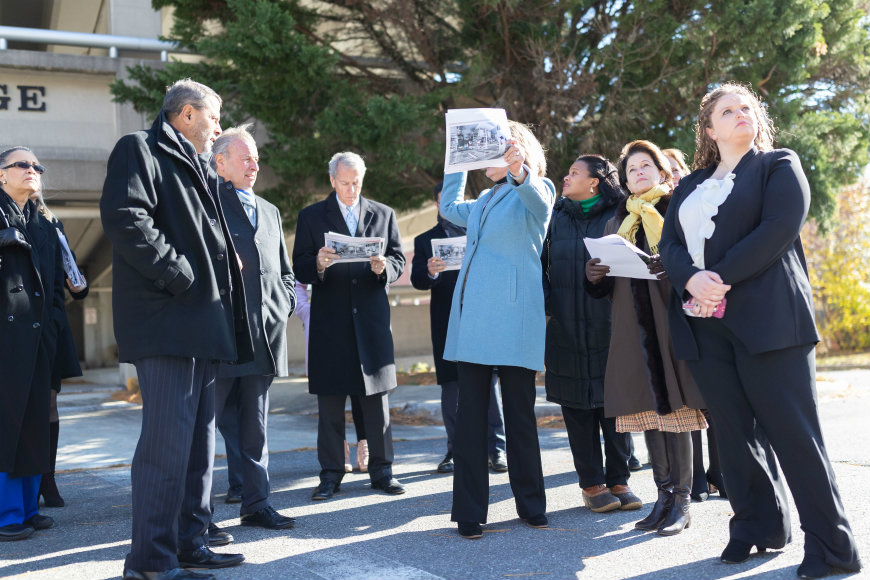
x,y
172,467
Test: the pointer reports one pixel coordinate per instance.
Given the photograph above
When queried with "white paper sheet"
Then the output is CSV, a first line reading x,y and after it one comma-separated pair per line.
x,y
476,138
451,250
69,264
353,249
623,258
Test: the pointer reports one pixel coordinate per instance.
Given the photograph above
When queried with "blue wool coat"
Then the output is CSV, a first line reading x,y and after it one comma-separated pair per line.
x,y
497,316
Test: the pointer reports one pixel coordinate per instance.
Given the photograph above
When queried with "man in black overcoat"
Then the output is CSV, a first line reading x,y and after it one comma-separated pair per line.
x,y
428,273
350,349
242,394
179,309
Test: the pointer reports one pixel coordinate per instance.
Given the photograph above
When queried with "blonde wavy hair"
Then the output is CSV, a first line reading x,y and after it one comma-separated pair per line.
x,y
532,149
706,151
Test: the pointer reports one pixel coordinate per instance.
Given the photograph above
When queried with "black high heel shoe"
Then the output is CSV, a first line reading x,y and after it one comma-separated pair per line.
x,y
49,493
47,486
737,551
717,483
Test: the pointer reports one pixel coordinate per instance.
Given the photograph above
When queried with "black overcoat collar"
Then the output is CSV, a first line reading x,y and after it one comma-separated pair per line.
x,y
232,201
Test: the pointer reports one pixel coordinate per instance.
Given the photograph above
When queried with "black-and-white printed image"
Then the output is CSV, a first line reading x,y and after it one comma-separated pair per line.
x,y
451,250
475,142
351,249
476,138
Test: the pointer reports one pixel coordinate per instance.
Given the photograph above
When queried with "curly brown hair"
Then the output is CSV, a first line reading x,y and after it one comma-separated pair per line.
x,y
651,149
706,151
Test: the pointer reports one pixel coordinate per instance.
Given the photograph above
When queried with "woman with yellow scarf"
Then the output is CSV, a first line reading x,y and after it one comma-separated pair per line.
x,y
645,387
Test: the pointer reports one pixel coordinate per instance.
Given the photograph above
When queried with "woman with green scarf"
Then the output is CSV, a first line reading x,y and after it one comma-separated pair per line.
x,y
645,387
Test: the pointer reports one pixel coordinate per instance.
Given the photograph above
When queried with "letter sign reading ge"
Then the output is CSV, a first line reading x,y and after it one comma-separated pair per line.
x,y
30,98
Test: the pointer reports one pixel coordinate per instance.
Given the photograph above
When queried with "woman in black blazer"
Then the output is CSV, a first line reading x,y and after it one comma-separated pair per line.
x,y
731,242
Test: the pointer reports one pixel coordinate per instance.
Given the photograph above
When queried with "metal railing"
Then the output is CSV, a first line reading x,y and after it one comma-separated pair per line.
x,y
66,38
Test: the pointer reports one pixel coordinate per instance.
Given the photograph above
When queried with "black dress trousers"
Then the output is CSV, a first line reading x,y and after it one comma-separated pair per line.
x,y
762,405
471,475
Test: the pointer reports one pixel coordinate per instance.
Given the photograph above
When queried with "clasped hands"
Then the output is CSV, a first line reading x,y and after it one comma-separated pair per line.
x,y
707,290
327,257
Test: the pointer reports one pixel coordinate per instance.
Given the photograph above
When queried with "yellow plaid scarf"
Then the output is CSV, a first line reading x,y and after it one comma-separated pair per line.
x,y
641,209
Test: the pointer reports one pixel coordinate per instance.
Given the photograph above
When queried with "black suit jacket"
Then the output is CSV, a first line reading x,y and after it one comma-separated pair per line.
x,y
176,285
440,302
756,248
350,345
270,287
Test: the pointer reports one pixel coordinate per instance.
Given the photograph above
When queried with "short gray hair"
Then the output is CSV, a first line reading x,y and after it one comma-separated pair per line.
x,y
348,159
240,133
187,92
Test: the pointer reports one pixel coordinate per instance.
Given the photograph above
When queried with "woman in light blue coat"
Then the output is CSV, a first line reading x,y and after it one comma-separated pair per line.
x,y
497,320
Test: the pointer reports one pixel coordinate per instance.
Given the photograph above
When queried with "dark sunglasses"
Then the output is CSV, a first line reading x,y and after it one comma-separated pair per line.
x,y
25,166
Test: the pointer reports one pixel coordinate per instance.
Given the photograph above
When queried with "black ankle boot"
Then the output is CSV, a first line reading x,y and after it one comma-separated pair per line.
x,y
678,517
658,457
47,486
659,511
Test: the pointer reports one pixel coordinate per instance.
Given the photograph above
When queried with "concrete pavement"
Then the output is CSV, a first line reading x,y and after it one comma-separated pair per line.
x,y
365,535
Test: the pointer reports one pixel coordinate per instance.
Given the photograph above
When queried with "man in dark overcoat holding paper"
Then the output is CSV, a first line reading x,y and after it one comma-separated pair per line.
x,y
179,309
350,344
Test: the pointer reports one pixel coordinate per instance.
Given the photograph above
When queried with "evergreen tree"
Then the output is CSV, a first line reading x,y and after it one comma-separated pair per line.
x,y
376,76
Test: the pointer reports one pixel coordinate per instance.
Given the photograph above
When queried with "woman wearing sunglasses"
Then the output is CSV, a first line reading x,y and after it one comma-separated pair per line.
x,y
32,310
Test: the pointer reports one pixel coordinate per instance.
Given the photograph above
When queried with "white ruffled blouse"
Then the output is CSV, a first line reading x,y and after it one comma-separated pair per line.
x,y
697,212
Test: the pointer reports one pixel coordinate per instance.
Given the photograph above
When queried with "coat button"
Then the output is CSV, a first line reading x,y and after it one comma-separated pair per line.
x,y
35,325
223,292
11,318
258,242
353,282
354,310
36,294
212,222
161,284
220,256
262,270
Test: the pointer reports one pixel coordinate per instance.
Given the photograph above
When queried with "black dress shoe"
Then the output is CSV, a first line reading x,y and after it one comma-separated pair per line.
x,y
15,532
446,465
470,530
498,462
234,494
203,557
538,521
217,536
814,567
174,574
389,485
737,551
325,490
268,518
39,522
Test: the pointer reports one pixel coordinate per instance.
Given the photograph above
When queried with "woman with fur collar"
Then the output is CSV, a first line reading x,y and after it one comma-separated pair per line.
x,y
645,387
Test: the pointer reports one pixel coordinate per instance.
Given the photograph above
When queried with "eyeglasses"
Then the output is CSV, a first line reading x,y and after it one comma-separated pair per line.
x,y
25,166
